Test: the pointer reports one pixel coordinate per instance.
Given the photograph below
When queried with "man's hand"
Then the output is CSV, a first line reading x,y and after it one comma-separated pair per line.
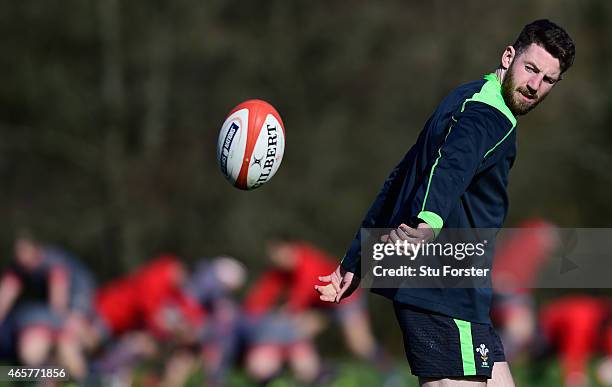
x,y
342,284
327,293
422,234
10,287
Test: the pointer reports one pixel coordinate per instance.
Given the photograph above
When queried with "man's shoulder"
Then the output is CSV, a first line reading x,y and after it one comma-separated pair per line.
x,y
465,91
470,88
481,96
453,102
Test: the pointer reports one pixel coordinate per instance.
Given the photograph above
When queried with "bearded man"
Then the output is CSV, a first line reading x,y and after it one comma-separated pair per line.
x,y
455,177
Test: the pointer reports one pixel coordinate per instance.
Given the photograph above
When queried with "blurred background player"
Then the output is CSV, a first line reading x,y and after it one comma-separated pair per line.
x,y
45,295
152,297
295,266
520,256
578,327
213,283
573,327
147,308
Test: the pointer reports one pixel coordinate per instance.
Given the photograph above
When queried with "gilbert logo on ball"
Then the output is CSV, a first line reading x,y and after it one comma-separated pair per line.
x,y
251,144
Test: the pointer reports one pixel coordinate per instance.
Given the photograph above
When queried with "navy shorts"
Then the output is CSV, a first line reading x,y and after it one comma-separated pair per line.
x,y
439,346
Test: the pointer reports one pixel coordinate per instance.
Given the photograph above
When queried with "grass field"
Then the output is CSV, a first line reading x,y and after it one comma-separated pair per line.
x,y
358,374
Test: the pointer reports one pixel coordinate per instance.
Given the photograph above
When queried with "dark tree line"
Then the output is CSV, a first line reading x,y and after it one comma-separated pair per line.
x,y
110,111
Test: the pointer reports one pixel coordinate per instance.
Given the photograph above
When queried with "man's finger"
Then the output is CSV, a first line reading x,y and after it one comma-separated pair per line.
x,y
402,235
335,282
323,296
326,290
393,236
411,232
344,288
325,278
331,278
414,241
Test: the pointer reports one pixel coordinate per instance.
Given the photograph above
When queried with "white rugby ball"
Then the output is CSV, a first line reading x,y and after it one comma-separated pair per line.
x,y
251,144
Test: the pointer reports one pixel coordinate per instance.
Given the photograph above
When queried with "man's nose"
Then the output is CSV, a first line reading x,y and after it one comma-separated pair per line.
x,y
534,84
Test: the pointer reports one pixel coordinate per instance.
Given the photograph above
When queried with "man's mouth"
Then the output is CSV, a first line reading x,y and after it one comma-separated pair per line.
x,y
527,96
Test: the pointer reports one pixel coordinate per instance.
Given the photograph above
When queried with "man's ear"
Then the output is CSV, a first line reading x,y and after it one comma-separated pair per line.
x,y
507,57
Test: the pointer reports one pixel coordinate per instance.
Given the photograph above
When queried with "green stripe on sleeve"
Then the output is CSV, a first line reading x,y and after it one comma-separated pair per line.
x,y
433,168
490,94
465,339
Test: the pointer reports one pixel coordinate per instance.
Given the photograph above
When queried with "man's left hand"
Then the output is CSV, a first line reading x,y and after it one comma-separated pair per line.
x,y
422,234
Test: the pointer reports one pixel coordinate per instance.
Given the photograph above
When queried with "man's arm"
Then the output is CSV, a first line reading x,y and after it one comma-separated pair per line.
x,y
473,135
59,289
345,279
377,216
10,286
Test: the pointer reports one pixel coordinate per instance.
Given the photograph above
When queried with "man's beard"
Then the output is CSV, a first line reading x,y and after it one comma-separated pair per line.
x,y
517,106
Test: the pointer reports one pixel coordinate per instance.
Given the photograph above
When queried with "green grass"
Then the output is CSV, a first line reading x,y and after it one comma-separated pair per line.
x,y
359,374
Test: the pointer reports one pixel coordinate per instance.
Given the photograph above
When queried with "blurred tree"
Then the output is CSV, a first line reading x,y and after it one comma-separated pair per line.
x,y
109,113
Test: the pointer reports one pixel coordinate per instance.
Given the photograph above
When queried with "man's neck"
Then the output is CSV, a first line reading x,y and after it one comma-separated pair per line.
x,y
500,73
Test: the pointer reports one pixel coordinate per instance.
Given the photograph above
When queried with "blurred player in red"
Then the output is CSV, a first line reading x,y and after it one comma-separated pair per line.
x,y
578,327
520,256
146,306
575,327
153,298
287,334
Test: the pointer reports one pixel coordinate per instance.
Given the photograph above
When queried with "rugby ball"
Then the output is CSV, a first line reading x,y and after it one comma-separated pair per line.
x,y
251,144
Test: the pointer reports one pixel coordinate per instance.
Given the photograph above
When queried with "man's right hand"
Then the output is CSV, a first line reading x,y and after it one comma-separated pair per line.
x,y
343,284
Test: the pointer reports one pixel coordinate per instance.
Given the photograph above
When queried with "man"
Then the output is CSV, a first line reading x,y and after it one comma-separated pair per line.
x,y
578,327
519,258
153,298
43,295
455,176
213,283
147,307
286,333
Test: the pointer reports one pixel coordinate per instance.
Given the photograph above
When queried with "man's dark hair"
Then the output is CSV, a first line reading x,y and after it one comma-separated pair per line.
x,y
26,234
549,36
281,237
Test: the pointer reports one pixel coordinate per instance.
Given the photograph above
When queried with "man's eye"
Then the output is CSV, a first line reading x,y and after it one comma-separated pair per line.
x,y
529,69
550,81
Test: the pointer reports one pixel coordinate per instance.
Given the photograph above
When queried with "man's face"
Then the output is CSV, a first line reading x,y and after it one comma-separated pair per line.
x,y
531,76
27,253
281,255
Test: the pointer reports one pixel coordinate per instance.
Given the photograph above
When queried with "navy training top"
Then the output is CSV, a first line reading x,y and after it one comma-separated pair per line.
x,y
455,176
